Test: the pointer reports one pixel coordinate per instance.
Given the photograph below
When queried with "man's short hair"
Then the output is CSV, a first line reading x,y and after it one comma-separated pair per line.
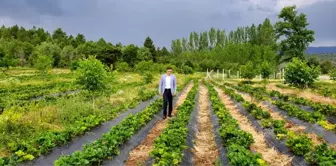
x,y
169,68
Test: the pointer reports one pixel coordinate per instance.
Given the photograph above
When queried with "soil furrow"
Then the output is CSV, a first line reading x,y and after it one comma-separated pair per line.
x,y
205,149
269,154
140,154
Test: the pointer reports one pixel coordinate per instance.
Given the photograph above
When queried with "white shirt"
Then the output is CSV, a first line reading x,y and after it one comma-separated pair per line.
x,y
168,79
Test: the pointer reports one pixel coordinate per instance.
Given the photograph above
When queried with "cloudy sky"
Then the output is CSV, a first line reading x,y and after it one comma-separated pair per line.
x,y
130,21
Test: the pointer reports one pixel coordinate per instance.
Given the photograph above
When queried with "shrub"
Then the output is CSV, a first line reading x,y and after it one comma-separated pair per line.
x,y
266,70
333,75
145,66
43,63
248,71
187,70
74,65
91,74
148,77
299,74
122,67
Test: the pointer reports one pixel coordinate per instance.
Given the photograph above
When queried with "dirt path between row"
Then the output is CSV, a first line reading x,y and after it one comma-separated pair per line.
x,y
205,149
269,154
140,154
303,93
276,116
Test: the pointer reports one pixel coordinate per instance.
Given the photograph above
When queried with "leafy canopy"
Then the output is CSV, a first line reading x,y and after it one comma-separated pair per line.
x,y
91,74
248,71
299,74
293,28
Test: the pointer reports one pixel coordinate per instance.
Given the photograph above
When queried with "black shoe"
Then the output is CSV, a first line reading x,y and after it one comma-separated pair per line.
x,y
170,116
164,117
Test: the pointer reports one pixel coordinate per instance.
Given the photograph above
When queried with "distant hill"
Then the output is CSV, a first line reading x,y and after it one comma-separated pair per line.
x,y
321,50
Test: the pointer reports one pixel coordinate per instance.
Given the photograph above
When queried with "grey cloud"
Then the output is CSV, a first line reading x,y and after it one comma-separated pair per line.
x,y
25,8
130,21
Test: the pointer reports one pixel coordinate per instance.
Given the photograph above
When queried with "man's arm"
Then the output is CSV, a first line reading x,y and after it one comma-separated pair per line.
x,y
175,85
160,85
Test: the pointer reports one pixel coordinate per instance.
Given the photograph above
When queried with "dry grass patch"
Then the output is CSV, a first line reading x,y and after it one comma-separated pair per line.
x,y
140,154
205,149
303,93
269,154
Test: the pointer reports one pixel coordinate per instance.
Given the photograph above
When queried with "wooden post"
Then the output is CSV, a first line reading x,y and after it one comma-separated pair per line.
x,y
217,73
223,74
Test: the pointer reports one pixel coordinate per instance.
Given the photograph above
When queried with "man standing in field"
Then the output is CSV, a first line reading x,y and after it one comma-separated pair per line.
x,y
167,88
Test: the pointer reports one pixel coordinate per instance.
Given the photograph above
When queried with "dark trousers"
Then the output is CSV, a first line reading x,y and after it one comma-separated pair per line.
x,y
167,99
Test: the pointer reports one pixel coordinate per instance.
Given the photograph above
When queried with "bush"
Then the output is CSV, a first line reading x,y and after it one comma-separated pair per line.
x,y
43,63
299,74
145,66
148,77
248,71
333,75
187,70
91,74
266,70
123,67
74,65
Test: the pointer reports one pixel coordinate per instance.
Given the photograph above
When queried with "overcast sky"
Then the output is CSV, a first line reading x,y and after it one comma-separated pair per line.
x,y
130,21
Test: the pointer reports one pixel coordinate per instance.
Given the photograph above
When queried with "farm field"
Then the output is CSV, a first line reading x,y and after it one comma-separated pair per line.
x,y
263,123
248,96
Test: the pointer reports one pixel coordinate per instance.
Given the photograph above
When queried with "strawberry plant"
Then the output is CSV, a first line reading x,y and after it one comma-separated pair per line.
x,y
322,155
235,140
299,144
108,145
169,146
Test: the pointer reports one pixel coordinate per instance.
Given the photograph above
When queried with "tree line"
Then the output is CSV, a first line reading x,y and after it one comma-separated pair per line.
x,y
260,46
24,47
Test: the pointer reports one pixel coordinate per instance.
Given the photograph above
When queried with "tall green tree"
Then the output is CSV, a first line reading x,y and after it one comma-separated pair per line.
x,y
191,42
196,41
184,44
150,45
253,36
129,54
267,34
48,49
165,52
293,28
212,37
204,41
144,54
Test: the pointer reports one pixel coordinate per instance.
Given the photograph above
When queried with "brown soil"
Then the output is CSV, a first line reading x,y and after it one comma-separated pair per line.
x,y
303,93
140,154
289,125
269,154
205,149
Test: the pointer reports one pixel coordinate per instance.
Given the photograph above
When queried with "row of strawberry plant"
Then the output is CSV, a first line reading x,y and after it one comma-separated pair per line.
x,y
292,110
235,140
300,144
108,145
325,109
49,140
168,147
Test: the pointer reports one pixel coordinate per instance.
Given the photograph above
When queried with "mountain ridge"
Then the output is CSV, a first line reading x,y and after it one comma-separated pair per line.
x,y
321,50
